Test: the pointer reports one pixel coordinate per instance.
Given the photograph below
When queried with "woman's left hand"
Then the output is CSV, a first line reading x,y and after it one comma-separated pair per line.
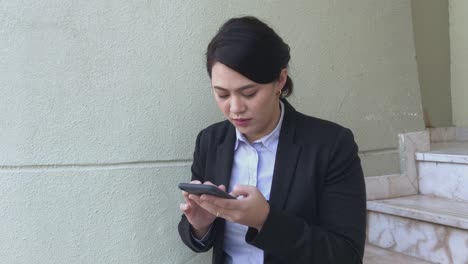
x,y
251,210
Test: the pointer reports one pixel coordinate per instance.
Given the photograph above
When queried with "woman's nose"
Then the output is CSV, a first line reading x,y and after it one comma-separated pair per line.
x,y
236,105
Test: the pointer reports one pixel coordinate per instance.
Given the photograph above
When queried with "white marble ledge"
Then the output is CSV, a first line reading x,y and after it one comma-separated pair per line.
x,y
442,133
426,208
376,255
447,152
450,147
442,158
447,180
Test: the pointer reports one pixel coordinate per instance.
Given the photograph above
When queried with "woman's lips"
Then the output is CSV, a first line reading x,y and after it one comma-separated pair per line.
x,y
241,122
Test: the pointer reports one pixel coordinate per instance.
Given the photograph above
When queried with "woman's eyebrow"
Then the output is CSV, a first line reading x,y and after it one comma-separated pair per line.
x,y
237,89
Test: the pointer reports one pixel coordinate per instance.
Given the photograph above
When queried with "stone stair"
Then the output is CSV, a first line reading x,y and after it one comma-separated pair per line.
x,y
376,255
443,171
432,225
431,228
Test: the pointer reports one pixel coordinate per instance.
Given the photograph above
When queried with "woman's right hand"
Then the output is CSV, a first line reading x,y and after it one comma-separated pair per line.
x,y
199,218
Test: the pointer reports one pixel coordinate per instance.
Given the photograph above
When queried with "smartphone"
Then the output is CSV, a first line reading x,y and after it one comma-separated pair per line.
x,y
195,188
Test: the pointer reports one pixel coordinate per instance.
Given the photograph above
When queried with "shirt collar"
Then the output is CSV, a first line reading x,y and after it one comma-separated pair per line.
x,y
269,141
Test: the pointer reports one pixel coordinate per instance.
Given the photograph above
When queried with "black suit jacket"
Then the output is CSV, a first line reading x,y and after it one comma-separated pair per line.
x,y
317,201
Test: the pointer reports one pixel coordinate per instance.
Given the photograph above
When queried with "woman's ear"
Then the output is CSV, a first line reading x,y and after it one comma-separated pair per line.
x,y
283,77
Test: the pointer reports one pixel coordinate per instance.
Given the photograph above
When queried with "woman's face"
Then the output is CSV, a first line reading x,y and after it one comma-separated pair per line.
x,y
251,107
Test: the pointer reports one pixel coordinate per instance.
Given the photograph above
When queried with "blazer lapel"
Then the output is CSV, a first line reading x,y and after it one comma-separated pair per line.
x,y
287,156
225,157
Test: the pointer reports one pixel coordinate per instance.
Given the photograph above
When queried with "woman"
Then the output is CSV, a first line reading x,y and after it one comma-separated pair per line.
x,y
298,179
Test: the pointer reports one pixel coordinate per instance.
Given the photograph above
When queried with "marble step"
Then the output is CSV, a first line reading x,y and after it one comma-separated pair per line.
x,y
446,152
443,171
430,228
376,255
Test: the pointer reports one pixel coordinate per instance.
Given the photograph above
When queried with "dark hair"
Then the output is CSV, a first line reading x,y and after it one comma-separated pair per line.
x,y
252,48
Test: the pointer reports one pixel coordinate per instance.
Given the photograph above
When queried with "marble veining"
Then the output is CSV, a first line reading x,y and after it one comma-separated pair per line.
x,y
427,226
405,183
444,180
431,242
427,208
376,255
410,143
450,152
461,133
442,134
451,147
438,134
445,158
388,186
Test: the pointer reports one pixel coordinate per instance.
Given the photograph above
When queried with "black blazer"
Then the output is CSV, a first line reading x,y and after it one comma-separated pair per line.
x,y
317,201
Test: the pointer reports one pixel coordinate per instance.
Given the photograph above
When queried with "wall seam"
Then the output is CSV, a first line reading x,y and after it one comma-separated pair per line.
x,y
92,167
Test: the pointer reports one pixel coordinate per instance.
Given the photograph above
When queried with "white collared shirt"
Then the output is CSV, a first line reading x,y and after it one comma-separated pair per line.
x,y
253,165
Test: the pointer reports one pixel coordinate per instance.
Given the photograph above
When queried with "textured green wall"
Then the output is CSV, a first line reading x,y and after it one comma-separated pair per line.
x,y
431,36
101,102
459,59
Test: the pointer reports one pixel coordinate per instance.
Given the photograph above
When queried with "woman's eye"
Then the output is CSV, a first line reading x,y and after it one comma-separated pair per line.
x,y
223,95
250,95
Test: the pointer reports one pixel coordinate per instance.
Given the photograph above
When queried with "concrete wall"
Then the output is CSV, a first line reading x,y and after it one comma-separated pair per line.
x,y
431,36
101,102
459,56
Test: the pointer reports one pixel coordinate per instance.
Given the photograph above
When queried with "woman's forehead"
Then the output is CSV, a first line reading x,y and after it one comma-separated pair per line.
x,y
226,78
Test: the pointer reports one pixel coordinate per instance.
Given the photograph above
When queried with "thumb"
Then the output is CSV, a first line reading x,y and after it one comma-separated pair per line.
x,y
243,190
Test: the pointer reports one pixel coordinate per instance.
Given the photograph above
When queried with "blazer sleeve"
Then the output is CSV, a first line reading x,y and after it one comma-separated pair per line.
x,y
185,228
339,236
